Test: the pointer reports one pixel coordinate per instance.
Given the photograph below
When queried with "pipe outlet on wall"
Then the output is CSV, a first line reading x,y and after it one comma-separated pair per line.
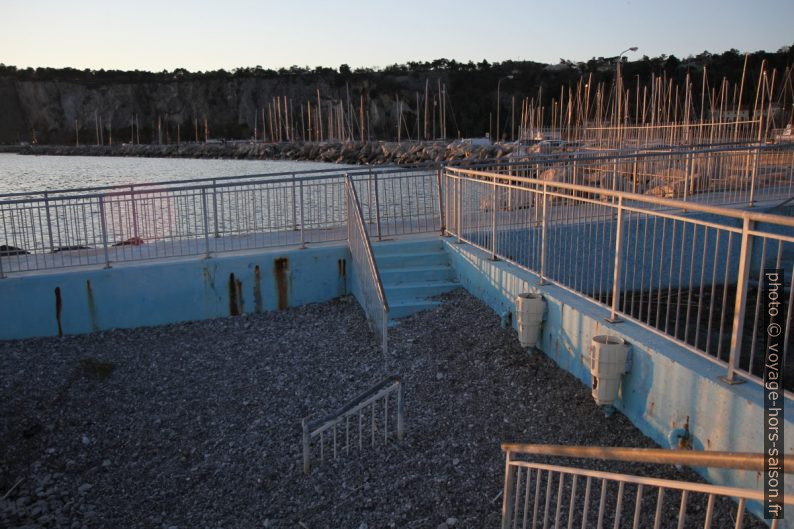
x,y
530,307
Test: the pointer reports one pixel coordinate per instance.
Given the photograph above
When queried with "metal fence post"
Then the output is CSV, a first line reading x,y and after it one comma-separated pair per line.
x,y
687,177
104,228
377,207
441,215
400,412
369,196
459,208
307,449
303,235
215,211
508,491
739,305
349,204
493,221
543,237
2,275
49,220
385,337
757,157
294,215
613,317
205,214
134,213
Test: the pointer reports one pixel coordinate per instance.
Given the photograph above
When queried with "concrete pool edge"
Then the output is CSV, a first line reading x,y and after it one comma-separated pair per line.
x,y
150,293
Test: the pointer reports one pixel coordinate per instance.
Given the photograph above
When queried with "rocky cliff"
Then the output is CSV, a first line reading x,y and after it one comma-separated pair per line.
x,y
63,112
60,106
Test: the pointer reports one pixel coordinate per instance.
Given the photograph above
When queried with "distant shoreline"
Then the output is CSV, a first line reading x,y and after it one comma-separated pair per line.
x,y
369,153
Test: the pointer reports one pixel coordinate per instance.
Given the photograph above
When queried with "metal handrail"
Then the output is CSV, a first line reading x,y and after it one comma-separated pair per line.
x,y
625,195
693,458
358,222
619,208
338,173
541,480
369,279
643,152
316,428
211,183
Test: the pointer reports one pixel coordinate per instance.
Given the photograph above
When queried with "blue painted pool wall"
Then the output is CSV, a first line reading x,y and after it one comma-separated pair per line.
x,y
667,383
157,293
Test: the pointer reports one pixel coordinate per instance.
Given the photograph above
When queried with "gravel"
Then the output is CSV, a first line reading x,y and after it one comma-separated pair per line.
x,y
198,424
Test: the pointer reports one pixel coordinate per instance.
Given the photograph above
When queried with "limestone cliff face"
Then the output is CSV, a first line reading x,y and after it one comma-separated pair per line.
x,y
47,111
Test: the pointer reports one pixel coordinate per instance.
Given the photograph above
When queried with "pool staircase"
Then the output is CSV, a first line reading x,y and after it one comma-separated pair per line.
x,y
413,271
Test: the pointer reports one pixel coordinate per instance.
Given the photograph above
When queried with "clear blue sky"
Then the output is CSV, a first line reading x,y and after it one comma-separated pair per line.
x,y
203,35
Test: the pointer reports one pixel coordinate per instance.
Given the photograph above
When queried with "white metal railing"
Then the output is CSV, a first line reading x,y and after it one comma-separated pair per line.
x,y
539,494
368,286
366,413
101,226
686,270
608,135
723,174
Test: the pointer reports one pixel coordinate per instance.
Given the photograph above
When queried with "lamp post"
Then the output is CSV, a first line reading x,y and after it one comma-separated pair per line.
x,y
619,85
498,86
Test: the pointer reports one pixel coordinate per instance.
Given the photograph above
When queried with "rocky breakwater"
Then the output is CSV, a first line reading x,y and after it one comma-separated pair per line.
x,y
374,153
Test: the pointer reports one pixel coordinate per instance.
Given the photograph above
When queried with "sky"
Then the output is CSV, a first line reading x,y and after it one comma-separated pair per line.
x,y
207,35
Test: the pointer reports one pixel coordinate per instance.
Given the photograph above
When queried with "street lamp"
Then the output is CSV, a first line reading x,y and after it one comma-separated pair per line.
x,y
619,85
633,48
498,86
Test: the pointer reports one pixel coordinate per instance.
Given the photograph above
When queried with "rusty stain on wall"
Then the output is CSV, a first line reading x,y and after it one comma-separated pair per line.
x,y
342,266
280,271
240,298
91,306
257,289
235,292
58,307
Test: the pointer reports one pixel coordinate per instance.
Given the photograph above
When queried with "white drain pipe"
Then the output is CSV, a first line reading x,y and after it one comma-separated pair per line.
x,y
529,317
608,356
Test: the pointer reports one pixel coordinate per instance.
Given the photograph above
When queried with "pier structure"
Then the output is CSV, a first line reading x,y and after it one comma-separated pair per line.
x,y
668,249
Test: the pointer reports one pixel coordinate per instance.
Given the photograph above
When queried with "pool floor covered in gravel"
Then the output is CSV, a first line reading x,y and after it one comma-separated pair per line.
x,y
198,425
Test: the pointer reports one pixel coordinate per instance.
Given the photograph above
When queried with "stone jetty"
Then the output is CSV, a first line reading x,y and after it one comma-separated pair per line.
x,y
372,153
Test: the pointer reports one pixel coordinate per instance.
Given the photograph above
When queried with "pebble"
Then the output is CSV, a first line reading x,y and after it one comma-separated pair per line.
x,y
190,379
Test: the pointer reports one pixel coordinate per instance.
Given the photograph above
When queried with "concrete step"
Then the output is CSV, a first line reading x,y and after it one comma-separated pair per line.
x,y
411,274
417,291
411,246
402,309
414,259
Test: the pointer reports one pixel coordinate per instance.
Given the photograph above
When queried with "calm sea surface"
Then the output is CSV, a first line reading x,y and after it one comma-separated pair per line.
x,y
20,173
